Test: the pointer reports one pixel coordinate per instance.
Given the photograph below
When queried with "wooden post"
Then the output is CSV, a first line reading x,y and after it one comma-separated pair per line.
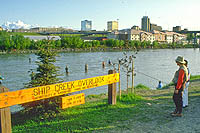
x,y
127,83
119,82
112,97
66,70
103,64
86,68
132,76
5,115
29,60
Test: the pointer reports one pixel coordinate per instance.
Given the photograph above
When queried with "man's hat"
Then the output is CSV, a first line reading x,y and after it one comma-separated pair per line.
x,y
180,59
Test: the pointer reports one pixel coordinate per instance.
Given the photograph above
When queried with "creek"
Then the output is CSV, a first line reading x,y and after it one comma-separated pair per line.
x,y
151,65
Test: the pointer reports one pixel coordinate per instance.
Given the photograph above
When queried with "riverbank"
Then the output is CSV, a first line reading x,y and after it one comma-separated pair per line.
x,y
149,111
92,49
103,49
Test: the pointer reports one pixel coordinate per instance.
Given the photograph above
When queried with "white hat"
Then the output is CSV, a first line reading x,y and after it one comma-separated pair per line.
x,y
180,59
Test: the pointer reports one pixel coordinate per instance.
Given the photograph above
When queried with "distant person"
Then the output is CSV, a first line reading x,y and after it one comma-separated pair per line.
x,y
185,91
109,62
159,85
1,79
180,78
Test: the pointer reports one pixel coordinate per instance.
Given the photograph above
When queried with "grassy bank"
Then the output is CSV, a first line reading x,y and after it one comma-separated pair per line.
x,y
96,114
193,78
145,110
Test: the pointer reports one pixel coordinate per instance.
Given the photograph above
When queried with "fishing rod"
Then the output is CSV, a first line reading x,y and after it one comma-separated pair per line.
x,y
151,77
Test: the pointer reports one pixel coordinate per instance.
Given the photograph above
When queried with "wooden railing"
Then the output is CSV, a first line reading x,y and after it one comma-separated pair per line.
x,y
8,99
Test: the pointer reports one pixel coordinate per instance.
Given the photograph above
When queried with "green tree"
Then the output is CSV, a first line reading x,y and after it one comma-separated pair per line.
x,y
174,45
66,42
144,44
132,43
19,41
103,42
96,43
4,41
121,43
155,44
190,36
46,74
110,42
77,42
116,43
137,44
58,43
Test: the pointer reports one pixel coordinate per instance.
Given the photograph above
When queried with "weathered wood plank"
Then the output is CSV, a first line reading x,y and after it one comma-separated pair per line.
x,y
5,115
32,94
74,100
112,94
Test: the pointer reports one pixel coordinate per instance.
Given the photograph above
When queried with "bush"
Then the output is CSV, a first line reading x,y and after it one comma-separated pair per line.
x,y
141,86
130,98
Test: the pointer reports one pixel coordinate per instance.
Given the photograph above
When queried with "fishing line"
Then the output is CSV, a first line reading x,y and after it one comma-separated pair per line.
x,y
151,77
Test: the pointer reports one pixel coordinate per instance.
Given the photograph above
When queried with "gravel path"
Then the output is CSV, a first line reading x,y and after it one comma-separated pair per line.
x,y
188,123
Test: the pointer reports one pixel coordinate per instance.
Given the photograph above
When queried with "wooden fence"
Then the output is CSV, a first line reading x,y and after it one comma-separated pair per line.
x,y
8,99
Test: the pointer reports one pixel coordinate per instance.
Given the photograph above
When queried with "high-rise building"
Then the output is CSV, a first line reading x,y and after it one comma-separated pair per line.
x,y
86,25
112,25
146,24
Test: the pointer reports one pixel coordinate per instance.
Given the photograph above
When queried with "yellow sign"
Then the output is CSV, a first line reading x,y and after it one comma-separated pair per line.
x,y
73,100
32,94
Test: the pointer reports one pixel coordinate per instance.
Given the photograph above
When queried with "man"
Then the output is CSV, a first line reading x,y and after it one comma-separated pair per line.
x,y
180,78
185,91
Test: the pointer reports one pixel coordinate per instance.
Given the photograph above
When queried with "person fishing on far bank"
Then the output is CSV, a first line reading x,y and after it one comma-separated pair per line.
x,y
185,91
159,85
179,80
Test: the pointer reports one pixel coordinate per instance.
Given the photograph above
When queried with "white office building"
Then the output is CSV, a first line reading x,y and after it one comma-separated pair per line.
x,y
86,25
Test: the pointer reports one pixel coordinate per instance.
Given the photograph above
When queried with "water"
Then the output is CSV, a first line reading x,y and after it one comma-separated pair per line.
x,y
159,64
42,37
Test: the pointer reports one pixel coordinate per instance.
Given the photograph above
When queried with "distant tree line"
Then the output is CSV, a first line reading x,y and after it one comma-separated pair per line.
x,y
19,42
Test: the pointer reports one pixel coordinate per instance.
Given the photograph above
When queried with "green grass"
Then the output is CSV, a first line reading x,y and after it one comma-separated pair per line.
x,y
151,107
94,115
194,77
141,86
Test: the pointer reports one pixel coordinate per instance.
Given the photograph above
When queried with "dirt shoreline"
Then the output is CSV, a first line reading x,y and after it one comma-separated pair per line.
x,y
161,121
99,49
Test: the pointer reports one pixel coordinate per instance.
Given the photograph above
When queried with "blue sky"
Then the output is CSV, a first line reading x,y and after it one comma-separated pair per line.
x,y
69,13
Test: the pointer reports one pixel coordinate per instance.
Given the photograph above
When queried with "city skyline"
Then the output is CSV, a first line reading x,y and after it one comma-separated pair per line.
x,y
69,14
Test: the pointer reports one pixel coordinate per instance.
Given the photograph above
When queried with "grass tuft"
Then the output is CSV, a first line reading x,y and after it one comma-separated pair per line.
x,y
141,86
